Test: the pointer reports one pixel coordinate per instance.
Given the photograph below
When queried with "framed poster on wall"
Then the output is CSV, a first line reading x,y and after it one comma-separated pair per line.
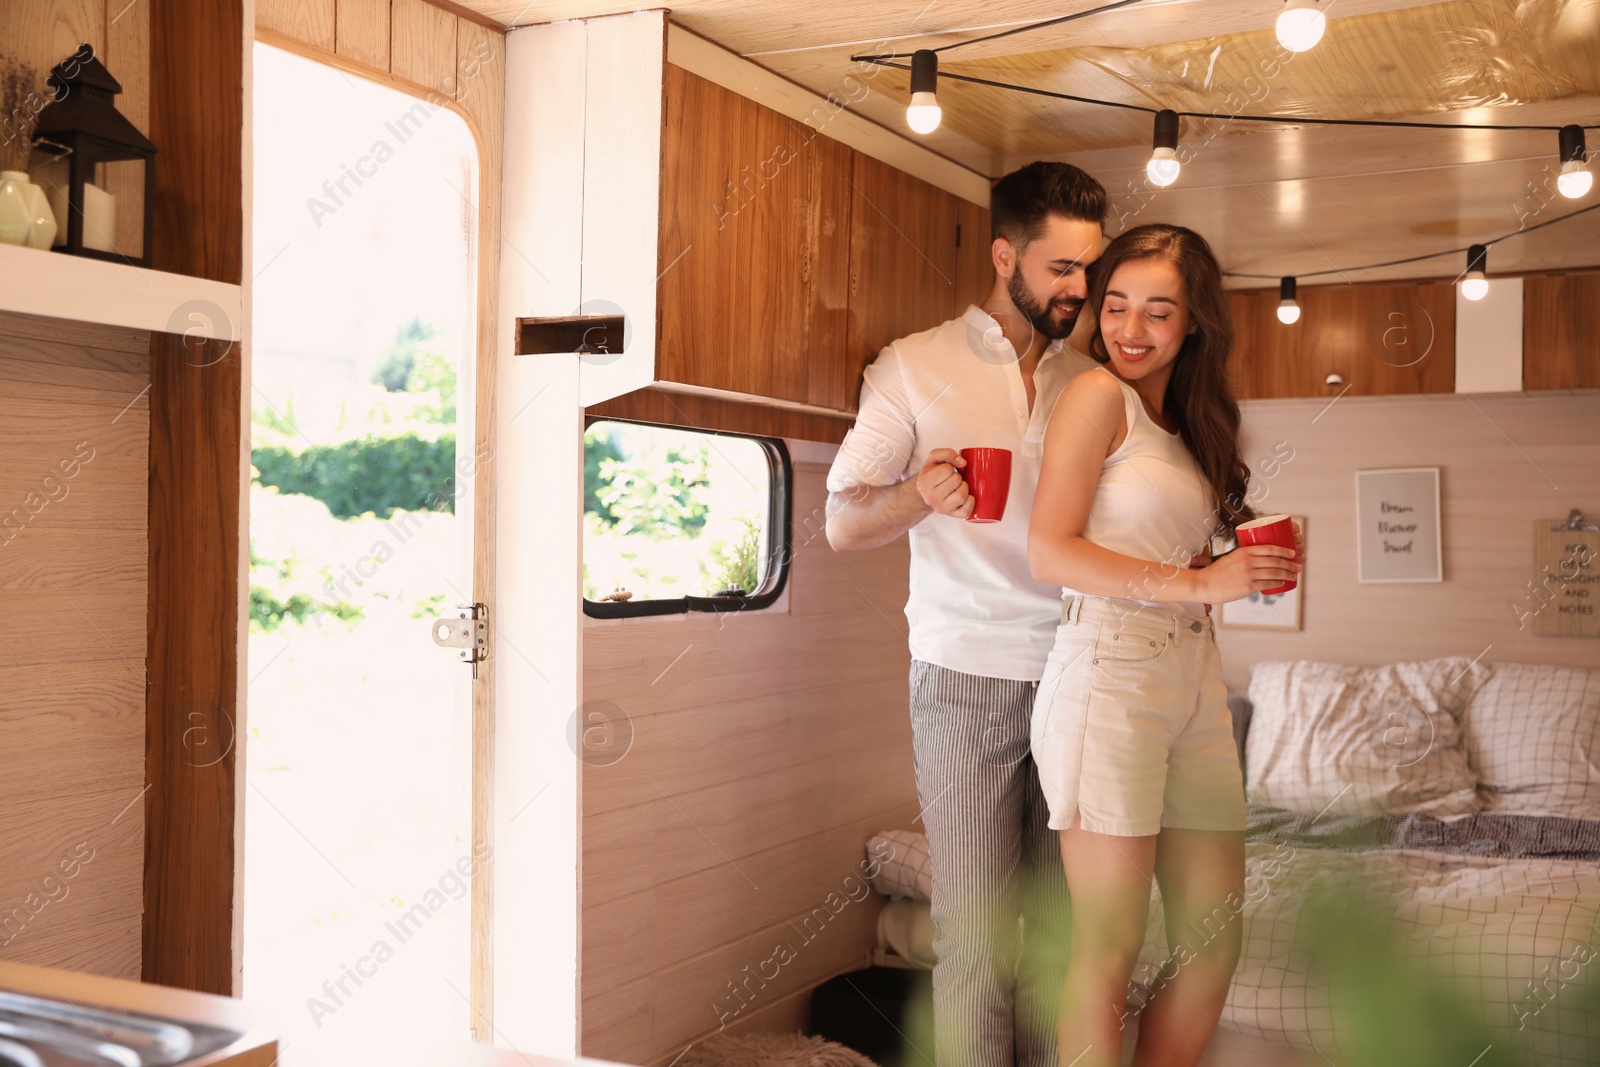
x,y
1397,525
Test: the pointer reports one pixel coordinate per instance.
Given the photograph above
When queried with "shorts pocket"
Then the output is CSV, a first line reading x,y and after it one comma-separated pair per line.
x,y
1131,647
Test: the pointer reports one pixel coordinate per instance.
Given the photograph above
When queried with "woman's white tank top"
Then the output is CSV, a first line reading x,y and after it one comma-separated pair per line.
x,y
1152,503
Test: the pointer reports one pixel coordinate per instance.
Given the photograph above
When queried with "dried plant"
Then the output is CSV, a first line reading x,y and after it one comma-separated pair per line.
x,y
22,96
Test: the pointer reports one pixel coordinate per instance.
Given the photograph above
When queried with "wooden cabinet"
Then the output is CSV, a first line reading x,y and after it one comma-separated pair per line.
x,y
1561,331
1381,339
789,259
754,244
902,268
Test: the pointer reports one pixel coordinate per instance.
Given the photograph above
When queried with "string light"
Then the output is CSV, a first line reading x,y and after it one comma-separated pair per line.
x,y
1475,286
1288,308
1163,167
1575,181
923,114
1301,25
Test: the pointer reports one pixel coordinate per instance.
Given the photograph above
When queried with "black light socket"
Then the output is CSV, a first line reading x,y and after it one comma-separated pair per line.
x,y
1478,259
1166,129
1286,289
1573,148
925,71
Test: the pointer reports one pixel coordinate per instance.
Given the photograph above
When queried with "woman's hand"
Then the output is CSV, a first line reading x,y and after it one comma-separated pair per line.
x,y
1245,570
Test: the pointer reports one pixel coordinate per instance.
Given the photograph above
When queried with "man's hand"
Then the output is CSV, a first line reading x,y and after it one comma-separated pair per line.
x,y
941,486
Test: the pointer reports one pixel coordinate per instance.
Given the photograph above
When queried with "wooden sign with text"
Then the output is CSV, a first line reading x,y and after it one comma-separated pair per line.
x,y
1564,593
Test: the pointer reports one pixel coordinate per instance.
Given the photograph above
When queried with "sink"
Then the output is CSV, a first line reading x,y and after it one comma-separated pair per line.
x,y
39,1032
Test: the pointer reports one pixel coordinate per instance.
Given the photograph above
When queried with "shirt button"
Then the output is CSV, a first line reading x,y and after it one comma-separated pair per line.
x,y
1195,626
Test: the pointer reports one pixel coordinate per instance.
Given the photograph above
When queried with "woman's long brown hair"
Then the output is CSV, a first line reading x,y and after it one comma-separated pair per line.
x,y
1199,400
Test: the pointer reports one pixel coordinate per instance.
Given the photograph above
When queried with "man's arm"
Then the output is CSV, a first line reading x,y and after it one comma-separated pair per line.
x,y
866,516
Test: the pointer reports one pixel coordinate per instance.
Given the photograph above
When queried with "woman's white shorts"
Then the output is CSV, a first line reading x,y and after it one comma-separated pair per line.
x,y
1131,728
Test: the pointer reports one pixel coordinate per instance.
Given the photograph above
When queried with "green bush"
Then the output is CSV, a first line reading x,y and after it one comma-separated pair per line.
x,y
376,474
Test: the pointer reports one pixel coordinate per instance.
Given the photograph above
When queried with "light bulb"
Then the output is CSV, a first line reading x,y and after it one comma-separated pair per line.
x,y
924,114
1575,181
1163,167
1475,286
1288,309
1300,26
1162,170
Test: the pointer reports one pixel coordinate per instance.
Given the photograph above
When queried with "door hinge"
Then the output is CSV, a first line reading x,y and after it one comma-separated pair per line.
x,y
467,633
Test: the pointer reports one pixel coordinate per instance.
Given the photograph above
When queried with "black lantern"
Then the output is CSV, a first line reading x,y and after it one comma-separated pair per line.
x,y
84,127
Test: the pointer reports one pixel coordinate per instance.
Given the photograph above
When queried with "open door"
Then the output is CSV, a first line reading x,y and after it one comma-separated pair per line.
x,y
360,853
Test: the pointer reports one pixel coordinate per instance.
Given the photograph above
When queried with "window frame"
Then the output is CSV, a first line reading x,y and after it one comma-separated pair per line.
x,y
780,511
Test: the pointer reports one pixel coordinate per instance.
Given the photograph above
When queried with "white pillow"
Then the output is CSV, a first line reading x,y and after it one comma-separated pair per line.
x,y
1361,740
1533,735
897,865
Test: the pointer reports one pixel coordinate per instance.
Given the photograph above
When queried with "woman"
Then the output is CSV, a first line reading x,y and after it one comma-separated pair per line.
x,y
1131,730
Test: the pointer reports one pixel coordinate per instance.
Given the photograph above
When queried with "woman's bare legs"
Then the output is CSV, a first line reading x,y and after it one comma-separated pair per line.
x,y
1201,874
1109,882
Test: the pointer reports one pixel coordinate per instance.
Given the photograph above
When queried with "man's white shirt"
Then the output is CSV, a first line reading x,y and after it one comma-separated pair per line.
x,y
973,606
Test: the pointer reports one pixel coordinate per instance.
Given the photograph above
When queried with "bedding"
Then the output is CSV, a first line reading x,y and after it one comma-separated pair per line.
x,y
1364,740
901,859
1415,948
1533,737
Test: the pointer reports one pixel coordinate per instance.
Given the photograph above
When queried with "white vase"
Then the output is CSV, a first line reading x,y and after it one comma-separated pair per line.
x,y
43,232
16,214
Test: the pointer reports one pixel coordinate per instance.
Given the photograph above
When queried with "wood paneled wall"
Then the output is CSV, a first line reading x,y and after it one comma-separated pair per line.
x,y
74,439
1561,331
73,562
434,51
767,748
1504,461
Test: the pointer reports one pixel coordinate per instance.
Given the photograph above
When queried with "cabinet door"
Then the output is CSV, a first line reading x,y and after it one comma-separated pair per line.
x,y
903,276
752,244
1561,331
1382,340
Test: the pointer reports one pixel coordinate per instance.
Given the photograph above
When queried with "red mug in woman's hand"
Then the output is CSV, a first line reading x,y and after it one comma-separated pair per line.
x,y
1270,530
988,475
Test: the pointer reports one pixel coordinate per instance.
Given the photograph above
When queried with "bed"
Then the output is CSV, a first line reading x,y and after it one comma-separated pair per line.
x,y
1423,870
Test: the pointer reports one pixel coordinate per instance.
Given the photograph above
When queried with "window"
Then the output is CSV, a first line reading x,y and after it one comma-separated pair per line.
x,y
679,520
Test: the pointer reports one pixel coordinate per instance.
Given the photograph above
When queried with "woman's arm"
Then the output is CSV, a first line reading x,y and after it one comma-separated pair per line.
x,y
1087,426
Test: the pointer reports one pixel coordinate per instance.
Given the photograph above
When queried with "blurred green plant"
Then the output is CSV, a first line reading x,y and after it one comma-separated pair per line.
x,y
655,492
598,446
739,561
369,474
394,371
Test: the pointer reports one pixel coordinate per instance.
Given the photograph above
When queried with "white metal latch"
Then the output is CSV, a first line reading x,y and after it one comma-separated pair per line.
x,y
468,633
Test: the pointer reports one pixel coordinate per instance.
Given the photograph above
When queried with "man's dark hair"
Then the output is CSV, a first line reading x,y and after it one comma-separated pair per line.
x,y
1020,202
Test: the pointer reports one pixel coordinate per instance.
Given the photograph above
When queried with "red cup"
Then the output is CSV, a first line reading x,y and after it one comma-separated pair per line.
x,y
1270,530
988,475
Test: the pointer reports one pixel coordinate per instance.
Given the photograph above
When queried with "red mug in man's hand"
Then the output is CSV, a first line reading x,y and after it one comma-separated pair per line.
x,y
988,475
1270,530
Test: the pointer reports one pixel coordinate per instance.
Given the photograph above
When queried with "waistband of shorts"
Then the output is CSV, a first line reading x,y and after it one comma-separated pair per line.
x,y
1131,614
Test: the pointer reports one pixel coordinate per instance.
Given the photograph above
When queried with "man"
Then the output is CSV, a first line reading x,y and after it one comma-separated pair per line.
x,y
980,625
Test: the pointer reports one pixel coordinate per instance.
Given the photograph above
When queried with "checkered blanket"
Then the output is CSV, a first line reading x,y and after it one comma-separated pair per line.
x,y
1409,939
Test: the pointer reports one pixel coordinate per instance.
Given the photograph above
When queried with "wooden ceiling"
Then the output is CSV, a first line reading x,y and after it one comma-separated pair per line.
x,y
1273,198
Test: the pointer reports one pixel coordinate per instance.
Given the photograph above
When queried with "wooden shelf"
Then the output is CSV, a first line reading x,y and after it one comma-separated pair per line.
x,y
90,290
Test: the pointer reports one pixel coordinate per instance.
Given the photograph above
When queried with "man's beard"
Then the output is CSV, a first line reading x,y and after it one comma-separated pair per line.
x,y
1039,315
